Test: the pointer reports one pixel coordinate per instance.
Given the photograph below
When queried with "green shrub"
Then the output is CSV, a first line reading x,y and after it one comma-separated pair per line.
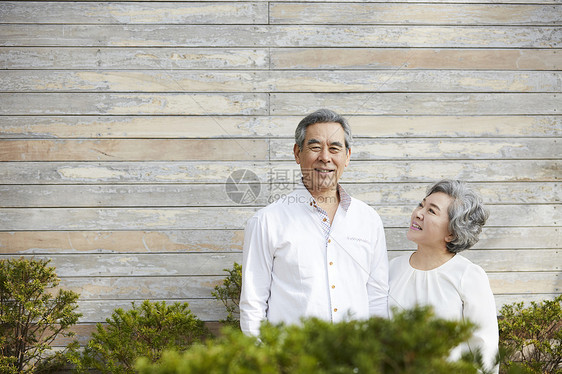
x,y
31,317
146,330
532,336
412,342
229,293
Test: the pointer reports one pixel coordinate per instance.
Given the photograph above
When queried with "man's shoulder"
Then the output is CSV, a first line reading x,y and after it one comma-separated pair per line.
x,y
281,204
363,208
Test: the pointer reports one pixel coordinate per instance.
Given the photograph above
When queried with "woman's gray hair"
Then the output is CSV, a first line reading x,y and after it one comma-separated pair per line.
x,y
467,214
322,116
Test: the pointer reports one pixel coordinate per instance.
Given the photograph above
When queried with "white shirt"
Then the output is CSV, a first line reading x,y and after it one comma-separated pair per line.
x,y
296,265
456,290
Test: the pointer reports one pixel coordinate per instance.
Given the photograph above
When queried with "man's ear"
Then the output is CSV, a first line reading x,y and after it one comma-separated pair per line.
x,y
348,156
297,152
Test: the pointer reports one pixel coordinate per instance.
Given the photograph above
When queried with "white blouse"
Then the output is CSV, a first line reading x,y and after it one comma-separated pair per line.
x,y
456,290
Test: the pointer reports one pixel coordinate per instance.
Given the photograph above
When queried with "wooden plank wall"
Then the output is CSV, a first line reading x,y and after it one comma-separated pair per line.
x,y
120,123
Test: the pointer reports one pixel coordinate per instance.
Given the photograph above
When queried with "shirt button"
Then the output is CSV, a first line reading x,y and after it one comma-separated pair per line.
x,y
324,220
329,240
331,263
335,309
333,286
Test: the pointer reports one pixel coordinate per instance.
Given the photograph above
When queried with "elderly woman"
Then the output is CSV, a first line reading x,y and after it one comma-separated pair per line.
x,y
446,222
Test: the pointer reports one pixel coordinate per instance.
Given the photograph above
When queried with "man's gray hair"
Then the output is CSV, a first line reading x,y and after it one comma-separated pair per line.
x,y
467,214
322,116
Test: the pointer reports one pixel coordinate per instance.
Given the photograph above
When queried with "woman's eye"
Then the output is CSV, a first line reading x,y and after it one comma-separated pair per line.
x,y
431,211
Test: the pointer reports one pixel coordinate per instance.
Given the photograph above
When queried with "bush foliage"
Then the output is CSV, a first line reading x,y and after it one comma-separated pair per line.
x,y
31,317
229,293
146,330
412,342
532,336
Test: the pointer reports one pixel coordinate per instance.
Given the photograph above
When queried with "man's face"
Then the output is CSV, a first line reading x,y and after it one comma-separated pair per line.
x,y
323,157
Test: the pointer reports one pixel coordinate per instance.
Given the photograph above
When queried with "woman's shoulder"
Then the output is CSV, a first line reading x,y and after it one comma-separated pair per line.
x,y
400,261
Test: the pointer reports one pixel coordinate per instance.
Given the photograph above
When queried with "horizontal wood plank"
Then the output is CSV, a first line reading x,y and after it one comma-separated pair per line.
x,y
99,310
280,13
31,219
413,149
133,150
417,103
375,103
420,14
135,58
142,287
279,81
133,104
115,172
213,310
75,58
415,58
182,195
141,265
204,240
279,36
126,288
273,126
257,149
209,268
130,13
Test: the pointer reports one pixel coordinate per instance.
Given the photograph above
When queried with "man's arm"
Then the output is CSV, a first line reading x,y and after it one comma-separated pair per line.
x,y
257,265
377,287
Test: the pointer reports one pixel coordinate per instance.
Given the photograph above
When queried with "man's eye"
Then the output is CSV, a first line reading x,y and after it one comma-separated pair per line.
x,y
431,211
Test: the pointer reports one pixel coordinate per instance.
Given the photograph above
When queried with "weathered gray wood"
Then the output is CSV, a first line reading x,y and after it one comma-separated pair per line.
x,y
213,310
357,1
430,14
168,195
280,36
99,310
514,282
256,149
101,12
133,149
279,81
178,241
414,58
133,103
280,13
218,172
142,265
280,103
543,240
398,149
417,103
31,219
281,58
134,58
273,126
140,287
207,269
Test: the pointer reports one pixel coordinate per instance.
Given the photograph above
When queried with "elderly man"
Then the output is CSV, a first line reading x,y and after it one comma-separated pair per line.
x,y
316,252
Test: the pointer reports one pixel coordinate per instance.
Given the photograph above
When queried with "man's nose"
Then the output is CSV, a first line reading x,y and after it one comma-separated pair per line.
x,y
324,155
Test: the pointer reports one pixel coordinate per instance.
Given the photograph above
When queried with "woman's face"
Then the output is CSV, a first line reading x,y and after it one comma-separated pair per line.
x,y
430,220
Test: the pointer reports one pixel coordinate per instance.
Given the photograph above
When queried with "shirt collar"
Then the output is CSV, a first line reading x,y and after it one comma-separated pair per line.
x,y
345,198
